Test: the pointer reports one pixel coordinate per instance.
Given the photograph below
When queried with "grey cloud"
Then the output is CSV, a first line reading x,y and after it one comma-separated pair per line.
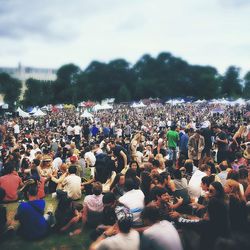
x,y
49,20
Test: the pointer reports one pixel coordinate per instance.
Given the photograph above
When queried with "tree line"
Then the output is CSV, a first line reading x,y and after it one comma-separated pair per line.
x,y
164,76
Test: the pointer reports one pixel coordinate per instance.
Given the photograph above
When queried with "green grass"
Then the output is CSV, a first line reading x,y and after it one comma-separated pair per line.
x,y
52,242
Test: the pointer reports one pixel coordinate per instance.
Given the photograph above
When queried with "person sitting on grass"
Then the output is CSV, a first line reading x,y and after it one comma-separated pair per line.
x,y
10,182
33,223
92,208
71,185
120,236
5,229
66,214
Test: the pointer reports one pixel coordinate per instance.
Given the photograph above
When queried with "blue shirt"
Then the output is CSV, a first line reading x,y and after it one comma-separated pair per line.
x,y
32,222
184,143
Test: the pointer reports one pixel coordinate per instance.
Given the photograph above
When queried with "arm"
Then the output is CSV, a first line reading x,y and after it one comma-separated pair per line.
x,y
108,233
73,221
124,156
177,204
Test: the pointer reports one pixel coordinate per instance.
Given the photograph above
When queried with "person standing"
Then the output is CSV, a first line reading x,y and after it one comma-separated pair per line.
x,y
172,138
222,144
196,144
121,155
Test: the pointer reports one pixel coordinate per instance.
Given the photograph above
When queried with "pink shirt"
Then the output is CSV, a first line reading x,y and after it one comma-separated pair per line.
x,y
94,202
10,183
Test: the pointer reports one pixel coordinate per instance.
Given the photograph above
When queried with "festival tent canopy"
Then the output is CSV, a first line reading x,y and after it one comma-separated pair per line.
x,y
138,105
102,107
22,113
200,101
87,104
175,101
34,110
86,114
106,106
239,101
39,112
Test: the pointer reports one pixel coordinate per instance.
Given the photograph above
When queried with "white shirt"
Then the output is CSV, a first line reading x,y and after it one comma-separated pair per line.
x,y
91,157
121,241
70,130
16,129
194,185
72,185
57,162
77,130
162,235
134,200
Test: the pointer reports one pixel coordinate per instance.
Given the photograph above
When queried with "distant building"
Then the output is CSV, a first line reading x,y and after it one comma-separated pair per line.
x,y
23,73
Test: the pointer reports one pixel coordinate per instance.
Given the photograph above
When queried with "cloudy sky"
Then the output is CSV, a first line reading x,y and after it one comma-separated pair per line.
x,y
50,33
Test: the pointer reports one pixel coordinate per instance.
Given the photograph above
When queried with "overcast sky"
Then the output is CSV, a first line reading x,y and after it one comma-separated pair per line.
x,y
50,33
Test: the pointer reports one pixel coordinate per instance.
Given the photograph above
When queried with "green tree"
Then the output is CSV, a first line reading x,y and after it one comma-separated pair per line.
x,y
231,86
123,94
246,91
10,88
38,93
65,86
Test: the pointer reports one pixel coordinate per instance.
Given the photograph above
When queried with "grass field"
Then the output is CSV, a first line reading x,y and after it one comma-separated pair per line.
x,y
52,242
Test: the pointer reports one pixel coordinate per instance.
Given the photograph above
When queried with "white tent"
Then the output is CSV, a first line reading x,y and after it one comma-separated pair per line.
x,y
22,113
106,106
138,105
39,112
97,107
102,107
175,101
200,101
34,110
86,114
239,101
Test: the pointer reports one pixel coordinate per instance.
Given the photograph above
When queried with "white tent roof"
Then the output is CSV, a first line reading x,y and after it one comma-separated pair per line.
x,y
175,101
86,114
102,107
239,101
22,113
39,112
138,105
200,101
34,110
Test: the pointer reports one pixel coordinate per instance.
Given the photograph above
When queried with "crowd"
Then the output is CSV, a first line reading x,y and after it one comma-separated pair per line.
x,y
160,177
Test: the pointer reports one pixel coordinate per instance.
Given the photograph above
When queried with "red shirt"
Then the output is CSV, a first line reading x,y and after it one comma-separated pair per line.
x,y
10,183
41,192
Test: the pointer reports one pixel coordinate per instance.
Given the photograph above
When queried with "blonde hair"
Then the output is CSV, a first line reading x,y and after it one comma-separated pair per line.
x,y
234,189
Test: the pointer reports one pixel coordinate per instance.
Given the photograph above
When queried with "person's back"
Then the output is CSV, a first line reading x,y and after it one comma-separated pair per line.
x,y
194,187
72,184
172,137
32,223
134,200
161,236
125,238
122,241
10,183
